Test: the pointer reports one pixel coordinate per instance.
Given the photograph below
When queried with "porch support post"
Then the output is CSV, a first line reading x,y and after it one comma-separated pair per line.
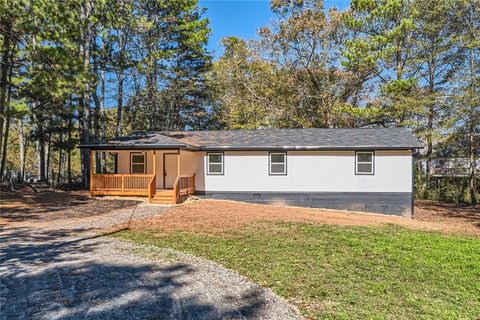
x,y
178,163
154,190
91,172
154,162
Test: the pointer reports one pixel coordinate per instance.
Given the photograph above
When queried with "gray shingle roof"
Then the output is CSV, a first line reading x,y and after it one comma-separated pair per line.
x,y
270,139
139,140
301,138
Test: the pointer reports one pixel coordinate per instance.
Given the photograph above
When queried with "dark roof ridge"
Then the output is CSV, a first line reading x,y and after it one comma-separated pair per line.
x,y
265,129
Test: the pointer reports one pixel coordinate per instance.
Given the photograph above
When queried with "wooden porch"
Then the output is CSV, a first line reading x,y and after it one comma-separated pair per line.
x,y
141,185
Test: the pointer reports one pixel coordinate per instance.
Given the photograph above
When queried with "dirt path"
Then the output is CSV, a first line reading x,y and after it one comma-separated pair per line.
x,y
63,269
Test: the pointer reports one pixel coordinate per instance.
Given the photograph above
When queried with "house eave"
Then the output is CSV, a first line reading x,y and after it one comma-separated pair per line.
x,y
136,147
241,148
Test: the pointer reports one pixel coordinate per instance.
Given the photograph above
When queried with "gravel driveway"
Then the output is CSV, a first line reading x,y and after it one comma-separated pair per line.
x,y
65,269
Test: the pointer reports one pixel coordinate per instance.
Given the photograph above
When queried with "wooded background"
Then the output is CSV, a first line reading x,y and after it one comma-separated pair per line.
x,y
77,71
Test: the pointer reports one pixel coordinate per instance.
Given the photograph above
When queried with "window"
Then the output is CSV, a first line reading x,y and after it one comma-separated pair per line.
x,y
215,163
278,163
137,163
364,162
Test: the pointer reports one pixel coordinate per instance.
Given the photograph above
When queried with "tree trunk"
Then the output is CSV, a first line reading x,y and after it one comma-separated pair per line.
x,y
48,157
40,148
60,160
21,147
69,154
7,126
472,177
103,129
5,142
118,131
471,133
84,121
430,118
39,117
428,155
96,110
24,157
151,81
4,70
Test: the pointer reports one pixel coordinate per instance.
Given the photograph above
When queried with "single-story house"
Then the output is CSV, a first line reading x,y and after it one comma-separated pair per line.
x,y
367,169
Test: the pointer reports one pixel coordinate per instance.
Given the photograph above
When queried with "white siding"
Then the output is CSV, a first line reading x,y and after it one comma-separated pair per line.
x,y
320,171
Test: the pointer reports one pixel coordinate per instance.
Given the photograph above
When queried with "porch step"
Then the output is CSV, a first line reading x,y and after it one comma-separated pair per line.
x,y
163,192
163,197
162,201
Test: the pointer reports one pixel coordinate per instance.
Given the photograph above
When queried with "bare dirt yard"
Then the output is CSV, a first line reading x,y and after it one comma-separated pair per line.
x,y
48,206
448,213
216,216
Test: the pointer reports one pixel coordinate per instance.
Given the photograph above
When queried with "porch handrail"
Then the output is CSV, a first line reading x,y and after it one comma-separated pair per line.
x,y
115,181
152,187
184,185
176,189
123,174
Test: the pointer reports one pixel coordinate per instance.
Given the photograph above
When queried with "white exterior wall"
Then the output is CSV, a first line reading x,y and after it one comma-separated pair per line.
x,y
308,171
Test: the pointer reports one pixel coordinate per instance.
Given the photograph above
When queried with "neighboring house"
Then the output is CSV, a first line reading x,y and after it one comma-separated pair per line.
x,y
449,167
353,169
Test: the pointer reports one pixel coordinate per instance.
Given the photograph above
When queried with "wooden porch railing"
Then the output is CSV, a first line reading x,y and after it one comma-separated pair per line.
x,y
183,186
152,187
139,185
122,184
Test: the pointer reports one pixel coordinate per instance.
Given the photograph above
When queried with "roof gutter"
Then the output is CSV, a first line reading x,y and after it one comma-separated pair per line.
x,y
238,148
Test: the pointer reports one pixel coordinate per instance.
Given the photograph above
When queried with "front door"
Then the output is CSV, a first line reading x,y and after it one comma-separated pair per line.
x,y
170,169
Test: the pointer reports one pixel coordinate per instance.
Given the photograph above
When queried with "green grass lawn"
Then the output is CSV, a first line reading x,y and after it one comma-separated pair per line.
x,y
347,272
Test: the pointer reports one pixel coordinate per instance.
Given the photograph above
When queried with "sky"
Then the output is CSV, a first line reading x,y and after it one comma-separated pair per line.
x,y
242,18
